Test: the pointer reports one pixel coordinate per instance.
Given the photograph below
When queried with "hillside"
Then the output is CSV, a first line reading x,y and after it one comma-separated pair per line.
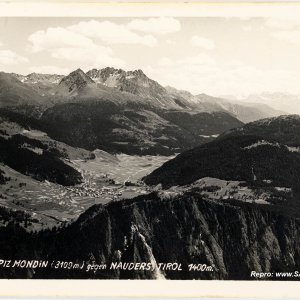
x,y
242,158
202,124
43,84
13,92
284,129
37,161
132,129
249,112
244,111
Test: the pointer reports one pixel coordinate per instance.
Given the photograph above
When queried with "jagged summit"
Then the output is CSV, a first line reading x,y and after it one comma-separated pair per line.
x,y
75,81
101,75
120,78
138,72
138,83
106,76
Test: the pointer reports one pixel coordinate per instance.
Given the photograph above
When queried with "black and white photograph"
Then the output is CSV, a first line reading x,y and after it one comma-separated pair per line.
x,y
160,147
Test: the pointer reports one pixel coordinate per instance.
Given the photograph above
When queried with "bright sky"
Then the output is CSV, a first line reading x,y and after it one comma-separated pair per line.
x,y
217,56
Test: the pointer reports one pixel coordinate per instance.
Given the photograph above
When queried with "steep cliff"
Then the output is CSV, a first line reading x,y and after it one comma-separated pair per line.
x,y
233,238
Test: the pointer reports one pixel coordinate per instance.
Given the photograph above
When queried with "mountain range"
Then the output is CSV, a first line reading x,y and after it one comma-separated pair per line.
x,y
226,197
244,111
98,83
290,103
120,111
113,110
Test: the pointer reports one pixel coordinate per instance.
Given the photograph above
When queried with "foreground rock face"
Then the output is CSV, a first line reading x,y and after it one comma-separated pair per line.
x,y
234,239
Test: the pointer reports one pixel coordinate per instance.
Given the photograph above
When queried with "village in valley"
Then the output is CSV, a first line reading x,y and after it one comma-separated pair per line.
x,y
106,178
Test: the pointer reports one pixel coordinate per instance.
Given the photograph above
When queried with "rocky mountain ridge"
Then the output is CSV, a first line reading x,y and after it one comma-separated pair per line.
x,y
137,83
75,81
143,120
244,111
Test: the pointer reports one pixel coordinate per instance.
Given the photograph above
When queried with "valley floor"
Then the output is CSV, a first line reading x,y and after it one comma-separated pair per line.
x,y
105,178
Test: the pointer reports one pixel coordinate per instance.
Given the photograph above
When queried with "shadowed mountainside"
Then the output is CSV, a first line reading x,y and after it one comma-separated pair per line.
x,y
284,129
241,158
234,239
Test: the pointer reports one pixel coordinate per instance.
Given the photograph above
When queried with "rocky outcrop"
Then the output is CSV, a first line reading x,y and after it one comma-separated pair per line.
x,y
233,239
75,81
137,83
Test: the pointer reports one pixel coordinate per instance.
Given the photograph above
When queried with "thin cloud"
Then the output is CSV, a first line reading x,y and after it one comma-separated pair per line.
x,y
162,25
56,37
64,44
202,42
91,56
282,24
170,42
201,74
112,33
292,37
247,28
8,57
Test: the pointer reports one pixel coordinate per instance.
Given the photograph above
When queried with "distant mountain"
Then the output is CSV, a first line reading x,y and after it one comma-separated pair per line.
x,y
13,92
284,129
202,102
202,124
132,129
289,103
138,115
43,84
75,81
134,82
137,83
35,78
249,112
119,111
241,158
136,87
80,88
245,112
